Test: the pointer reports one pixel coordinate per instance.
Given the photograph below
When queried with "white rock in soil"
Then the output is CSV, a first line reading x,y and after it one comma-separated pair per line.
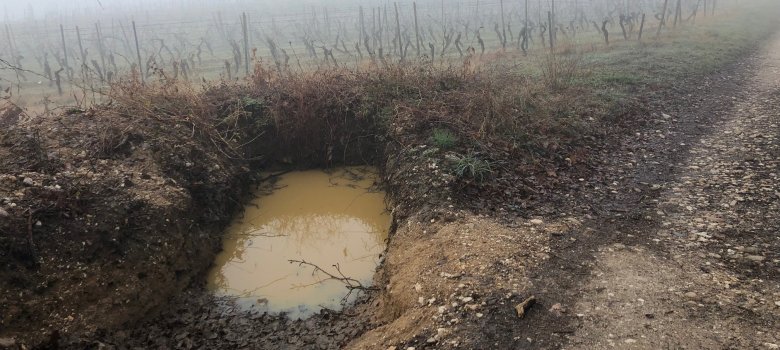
x,y
756,258
7,342
28,181
750,250
441,333
537,222
3,213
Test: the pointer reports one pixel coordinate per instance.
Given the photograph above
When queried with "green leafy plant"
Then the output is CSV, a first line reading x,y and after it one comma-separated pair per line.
x,y
251,103
472,167
444,138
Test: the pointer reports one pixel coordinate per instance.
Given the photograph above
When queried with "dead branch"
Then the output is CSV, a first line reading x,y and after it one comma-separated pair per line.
x,y
351,283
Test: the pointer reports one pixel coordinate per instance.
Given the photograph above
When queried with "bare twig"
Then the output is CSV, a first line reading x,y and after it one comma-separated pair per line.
x,y
350,283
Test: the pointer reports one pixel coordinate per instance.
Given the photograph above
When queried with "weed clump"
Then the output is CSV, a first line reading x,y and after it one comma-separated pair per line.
x,y
472,167
444,139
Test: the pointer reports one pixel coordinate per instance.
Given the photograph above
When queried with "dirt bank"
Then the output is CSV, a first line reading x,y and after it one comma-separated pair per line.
x,y
97,203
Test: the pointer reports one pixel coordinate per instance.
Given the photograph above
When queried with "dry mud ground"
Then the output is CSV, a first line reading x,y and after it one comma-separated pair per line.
x,y
671,242
680,242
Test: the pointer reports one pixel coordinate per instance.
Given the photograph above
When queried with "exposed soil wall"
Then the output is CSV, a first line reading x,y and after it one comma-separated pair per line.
x,y
105,215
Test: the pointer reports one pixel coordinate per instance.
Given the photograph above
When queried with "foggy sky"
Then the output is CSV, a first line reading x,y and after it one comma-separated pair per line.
x,y
17,10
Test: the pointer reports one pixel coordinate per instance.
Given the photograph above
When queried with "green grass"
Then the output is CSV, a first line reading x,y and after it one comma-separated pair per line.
x,y
472,167
691,49
444,139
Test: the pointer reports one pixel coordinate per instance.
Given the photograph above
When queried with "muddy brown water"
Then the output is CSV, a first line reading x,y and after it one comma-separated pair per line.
x,y
337,217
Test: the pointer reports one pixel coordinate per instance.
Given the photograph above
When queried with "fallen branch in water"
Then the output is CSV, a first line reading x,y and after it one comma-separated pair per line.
x,y
350,283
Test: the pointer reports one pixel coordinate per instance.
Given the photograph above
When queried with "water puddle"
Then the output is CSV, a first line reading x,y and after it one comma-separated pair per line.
x,y
325,218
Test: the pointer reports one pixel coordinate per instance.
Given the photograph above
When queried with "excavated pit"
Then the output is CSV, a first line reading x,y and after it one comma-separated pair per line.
x,y
333,219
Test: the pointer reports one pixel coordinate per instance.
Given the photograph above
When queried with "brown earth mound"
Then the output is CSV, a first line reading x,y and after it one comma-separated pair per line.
x,y
105,214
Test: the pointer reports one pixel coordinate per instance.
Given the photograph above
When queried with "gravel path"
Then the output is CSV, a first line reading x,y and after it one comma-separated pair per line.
x,y
680,242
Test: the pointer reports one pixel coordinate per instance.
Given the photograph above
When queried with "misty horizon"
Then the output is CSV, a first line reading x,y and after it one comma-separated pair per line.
x,y
54,9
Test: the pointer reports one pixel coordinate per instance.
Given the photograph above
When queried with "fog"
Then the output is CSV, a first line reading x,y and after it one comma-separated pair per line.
x,y
15,11
60,49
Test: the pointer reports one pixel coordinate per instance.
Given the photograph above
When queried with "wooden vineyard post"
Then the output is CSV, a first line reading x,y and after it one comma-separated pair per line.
x,y
81,47
244,27
362,35
663,18
549,22
577,12
695,11
417,29
539,12
101,48
525,28
398,32
381,33
442,15
553,20
373,27
503,27
623,27
678,13
10,42
58,80
64,48
387,26
138,52
641,27
126,41
327,21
